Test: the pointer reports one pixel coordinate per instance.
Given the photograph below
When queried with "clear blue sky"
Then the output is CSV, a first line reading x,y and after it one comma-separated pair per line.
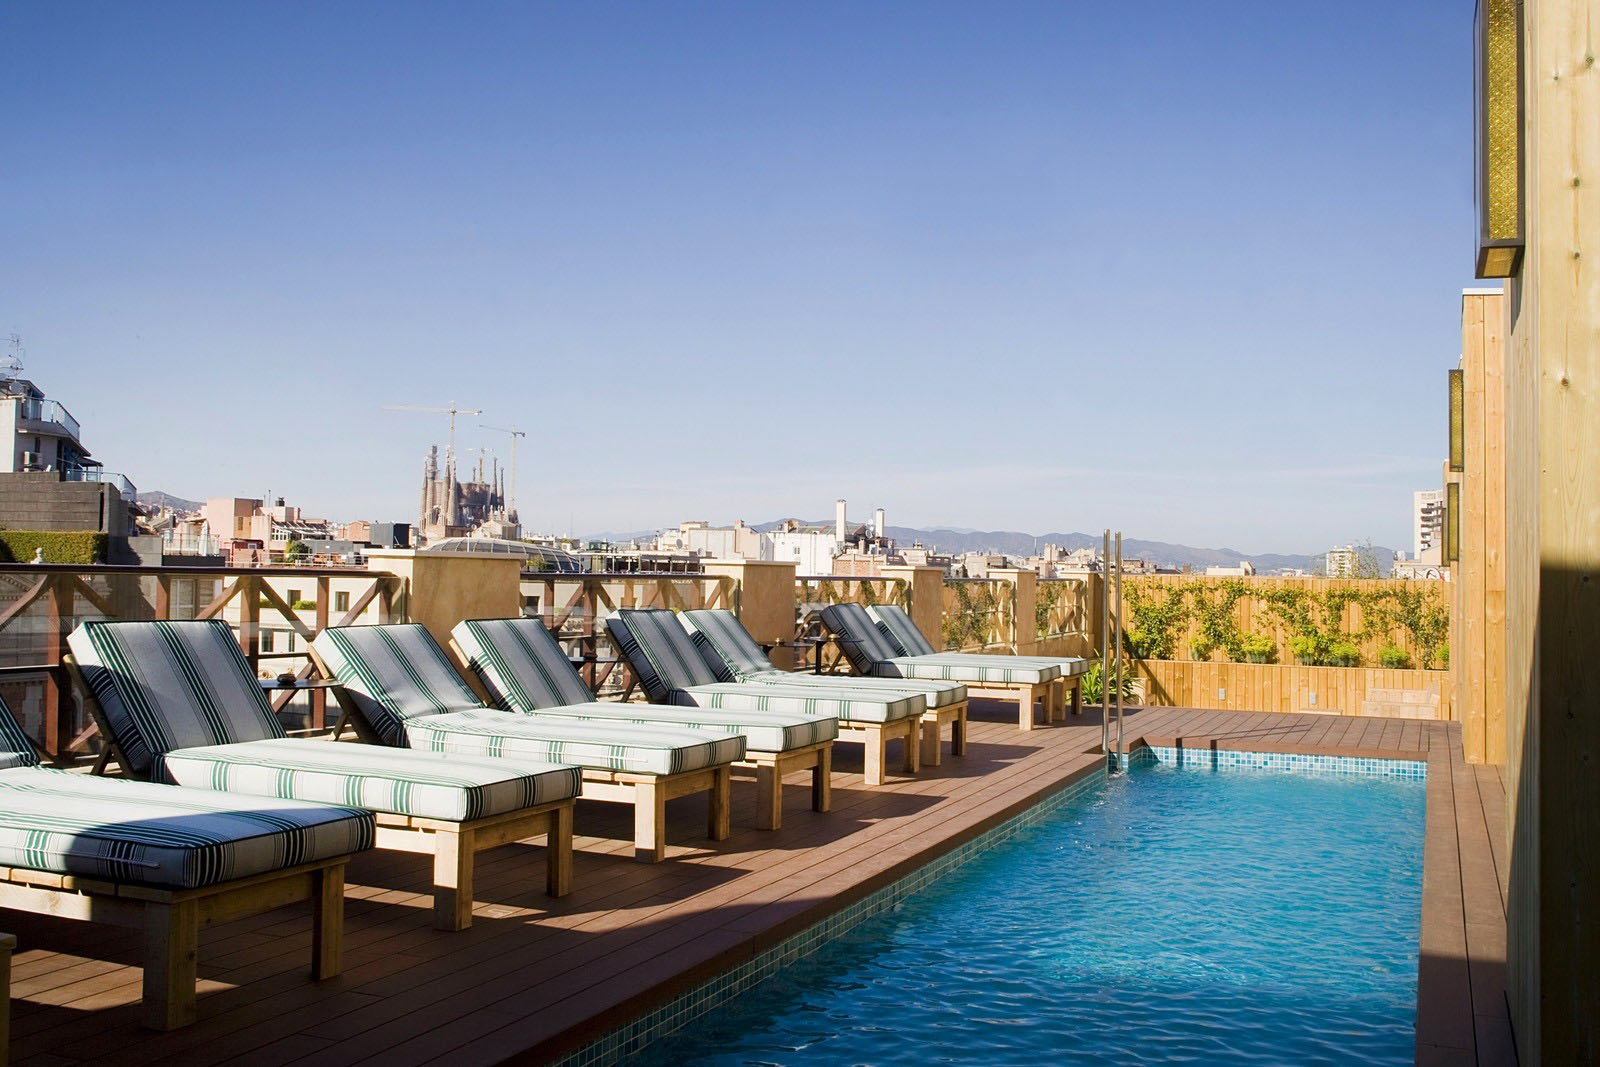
x,y
1187,269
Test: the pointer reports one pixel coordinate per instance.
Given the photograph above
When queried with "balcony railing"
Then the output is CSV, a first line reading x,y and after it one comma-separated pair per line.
x,y
95,474
51,411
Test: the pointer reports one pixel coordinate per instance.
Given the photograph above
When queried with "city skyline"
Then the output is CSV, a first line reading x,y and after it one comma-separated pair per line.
x,y
907,254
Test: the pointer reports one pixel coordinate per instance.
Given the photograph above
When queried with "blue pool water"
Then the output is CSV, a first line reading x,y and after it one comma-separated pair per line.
x,y
1176,915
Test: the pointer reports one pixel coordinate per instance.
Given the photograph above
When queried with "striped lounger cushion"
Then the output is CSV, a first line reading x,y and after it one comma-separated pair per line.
x,y
181,696
524,670
647,748
520,664
849,705
734,656
369,776
672,670
157,835
897,626
15,748
401,681
871,652
763,731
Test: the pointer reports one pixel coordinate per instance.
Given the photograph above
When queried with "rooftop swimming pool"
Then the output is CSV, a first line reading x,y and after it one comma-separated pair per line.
x,y
1195,914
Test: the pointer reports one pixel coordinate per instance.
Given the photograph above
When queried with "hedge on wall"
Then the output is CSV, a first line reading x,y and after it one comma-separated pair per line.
x,y
80,547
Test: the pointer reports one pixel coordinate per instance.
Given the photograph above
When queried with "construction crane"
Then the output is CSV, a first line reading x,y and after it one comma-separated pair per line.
x,y
453,410
511,496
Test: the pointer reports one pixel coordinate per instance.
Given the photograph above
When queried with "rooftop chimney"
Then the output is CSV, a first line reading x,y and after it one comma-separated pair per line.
x,y
838,520
877,523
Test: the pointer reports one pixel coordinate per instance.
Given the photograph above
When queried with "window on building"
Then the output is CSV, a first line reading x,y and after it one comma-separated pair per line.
x,y
290,636
266,640
530,607
341,601
294,597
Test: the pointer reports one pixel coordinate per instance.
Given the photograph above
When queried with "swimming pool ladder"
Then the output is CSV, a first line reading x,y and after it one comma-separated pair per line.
x,y
1111,648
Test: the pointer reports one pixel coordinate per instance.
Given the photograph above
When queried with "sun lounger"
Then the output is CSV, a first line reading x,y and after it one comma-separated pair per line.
x,y
180,705
672,671
733,656
871,652
168,861
896,624
524,670
402,689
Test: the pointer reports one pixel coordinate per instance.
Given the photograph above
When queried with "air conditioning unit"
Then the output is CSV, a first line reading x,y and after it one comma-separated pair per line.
x,y
31,461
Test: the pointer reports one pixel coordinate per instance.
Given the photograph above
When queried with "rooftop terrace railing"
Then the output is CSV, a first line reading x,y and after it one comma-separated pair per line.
x,y
94,474
40,604
575,606
51,411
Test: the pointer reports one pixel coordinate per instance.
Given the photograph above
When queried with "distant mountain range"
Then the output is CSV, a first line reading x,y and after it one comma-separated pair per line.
x,y
156,498
957,540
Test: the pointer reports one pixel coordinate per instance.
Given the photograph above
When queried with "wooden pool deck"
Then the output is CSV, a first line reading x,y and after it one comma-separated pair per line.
x,y
535,978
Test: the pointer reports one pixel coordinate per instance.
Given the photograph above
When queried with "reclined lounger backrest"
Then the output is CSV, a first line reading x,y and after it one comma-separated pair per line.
x,y
725,645
393,673
863,643
520,664
659,651
895,623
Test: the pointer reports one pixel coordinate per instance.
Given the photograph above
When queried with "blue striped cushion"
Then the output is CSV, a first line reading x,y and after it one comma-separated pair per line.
x,y
157,835
15,748
763,731
392,674
423,784
725,645
659,651
895,624
858,636
844,704
647,748
520,664
168,685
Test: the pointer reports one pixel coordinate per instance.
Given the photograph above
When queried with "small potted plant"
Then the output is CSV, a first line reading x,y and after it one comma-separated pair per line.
x,y
1257,648
1344,654
1393,657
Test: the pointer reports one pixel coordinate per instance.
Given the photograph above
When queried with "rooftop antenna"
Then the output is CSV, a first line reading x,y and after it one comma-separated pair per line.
x,y
11,362
511,497
453,410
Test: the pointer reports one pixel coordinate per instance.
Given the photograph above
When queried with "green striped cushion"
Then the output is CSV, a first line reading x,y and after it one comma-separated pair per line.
x,y
764,731
659,651
858,636
1072,666
895,624
972,670
725,645
15,748
938,694
423,784
520,664
392,674
723,640
843,704
169,685
157,835
650,748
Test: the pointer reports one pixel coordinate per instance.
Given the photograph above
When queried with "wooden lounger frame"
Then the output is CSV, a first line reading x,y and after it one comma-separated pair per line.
x,y
453,844
8,944
172,919
932,720
875,736
1052,695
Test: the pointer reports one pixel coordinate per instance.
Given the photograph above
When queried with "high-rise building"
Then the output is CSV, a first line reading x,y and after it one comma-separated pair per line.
x,y
1427,521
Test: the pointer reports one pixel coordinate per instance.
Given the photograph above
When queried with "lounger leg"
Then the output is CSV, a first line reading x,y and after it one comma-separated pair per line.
x,y
769,797
874,755
822,780
8,942
452,879
912,760
649,822
1058,700
327,922
171,942
958,733
1026,695
930,742
720,815
558,846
